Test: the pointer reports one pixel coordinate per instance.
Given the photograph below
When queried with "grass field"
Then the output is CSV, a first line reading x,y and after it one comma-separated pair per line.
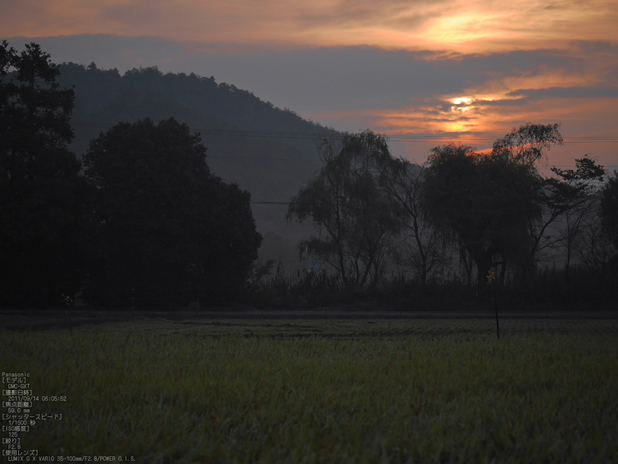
x,y
324,391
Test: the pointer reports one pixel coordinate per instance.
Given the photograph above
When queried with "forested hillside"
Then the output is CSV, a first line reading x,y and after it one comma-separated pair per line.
x,y
266,150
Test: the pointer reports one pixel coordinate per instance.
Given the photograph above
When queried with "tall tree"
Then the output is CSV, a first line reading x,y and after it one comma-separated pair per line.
x,y
573,197
354,214
167,229
599,257
41,194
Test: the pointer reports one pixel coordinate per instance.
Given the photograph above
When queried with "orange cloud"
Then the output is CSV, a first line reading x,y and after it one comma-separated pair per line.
x,y
486,117
414,129
585,125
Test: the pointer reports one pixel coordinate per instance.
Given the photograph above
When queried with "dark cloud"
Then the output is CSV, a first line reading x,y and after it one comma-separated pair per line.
x,y
341,78
346,78
363,76
572,92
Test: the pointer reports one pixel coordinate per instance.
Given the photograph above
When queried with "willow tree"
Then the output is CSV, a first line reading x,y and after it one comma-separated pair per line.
x,y
421,245
355,216
485,202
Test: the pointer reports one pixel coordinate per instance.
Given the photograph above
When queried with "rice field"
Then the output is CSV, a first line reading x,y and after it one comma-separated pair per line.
x,y
314,391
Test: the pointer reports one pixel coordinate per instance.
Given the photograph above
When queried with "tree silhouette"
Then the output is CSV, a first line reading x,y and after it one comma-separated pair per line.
x,y
167,229
355,215
483,201
573,196
42,197
609,208
421,245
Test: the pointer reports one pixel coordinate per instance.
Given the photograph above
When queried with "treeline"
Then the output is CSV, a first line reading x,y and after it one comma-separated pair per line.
x,y
464,219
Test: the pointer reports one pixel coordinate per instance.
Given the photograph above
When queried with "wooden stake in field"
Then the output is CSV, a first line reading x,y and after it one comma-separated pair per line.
x,y
68,302
491,277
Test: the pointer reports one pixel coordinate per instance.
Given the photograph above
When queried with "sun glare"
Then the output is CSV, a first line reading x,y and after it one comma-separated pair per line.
x,y
461,100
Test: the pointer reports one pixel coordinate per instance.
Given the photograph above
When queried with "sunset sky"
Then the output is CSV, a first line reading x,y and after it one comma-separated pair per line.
x,y
466,71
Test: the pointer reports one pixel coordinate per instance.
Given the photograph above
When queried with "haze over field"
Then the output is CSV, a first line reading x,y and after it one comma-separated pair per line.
x,y
423,74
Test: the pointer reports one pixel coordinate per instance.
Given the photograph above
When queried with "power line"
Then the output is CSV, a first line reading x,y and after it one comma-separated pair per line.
x,y
243,132
338,135
270,202
298,135
231,158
